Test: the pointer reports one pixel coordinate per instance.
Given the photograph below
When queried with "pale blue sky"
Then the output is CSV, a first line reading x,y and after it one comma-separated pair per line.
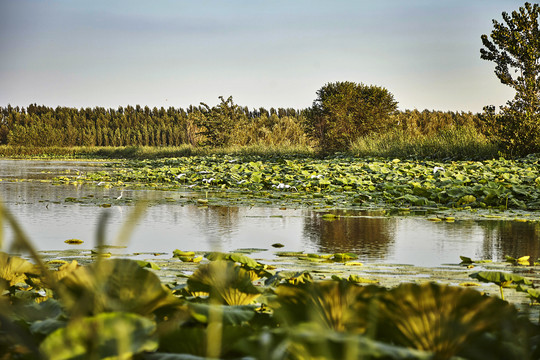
x,y
262,52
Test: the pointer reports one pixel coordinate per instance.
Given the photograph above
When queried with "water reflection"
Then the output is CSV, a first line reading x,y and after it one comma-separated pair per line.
x,y
511,238
368,235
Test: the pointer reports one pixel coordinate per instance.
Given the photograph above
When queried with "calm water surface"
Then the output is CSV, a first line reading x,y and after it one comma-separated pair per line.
x,y
49,220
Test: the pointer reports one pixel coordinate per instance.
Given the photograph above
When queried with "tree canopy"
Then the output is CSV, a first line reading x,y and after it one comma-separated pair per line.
x,y
514,46
344,111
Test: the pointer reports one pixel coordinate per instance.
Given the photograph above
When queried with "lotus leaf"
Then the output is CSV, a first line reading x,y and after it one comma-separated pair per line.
x,y
445,320
73,241
342,257
338,305
235,257
114,285
502,279
148,264
192,343
309,342
178,253
14,269
230,315
291,277
360,280
225,281
109,335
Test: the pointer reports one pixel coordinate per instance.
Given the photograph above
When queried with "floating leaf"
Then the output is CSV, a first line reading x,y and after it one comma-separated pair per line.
x,y
178,253
148,264
524,260
73,241
342,257
360,280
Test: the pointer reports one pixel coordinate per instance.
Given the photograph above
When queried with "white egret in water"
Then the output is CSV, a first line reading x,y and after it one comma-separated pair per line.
x,y
438,168
208,181
121,194
284,186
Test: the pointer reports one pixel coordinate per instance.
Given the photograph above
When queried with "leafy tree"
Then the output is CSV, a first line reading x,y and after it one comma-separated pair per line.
x,y
344,111
219,121
514,46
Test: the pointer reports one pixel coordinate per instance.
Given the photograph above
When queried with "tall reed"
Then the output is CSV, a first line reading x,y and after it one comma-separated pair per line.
x,y
463,142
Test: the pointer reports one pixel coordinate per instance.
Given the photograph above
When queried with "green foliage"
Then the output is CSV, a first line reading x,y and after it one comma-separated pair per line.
x,y
514,46
343,111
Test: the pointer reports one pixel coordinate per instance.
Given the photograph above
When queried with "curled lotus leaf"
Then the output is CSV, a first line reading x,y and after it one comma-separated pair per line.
x,y
14,269
523,261
226,282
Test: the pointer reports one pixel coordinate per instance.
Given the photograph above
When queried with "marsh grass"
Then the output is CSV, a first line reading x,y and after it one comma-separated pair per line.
x,y
463,142
286,140
152,152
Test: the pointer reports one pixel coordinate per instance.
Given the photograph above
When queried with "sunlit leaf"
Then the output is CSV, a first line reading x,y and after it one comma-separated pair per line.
x,y
14,269
114,285
225,281
109,335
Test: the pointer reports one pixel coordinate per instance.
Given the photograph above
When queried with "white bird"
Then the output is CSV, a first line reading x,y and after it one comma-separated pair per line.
x,y
179,176
121,194
284,186
241,181
208,181
438,168
101,183
320,176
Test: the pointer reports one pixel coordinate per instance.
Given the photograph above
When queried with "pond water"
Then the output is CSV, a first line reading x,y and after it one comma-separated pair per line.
x,y
42,210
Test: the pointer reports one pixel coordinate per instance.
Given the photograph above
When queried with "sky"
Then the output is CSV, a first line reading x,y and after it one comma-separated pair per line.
x,y
263,53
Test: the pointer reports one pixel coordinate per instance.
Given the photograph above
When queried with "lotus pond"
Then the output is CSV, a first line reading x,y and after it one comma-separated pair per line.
x,y
272,258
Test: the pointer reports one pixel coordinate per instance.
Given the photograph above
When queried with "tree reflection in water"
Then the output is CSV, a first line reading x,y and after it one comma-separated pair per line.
x,y
511,238
367,234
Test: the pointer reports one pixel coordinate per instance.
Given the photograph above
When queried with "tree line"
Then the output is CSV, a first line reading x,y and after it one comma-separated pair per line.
x,y
225,124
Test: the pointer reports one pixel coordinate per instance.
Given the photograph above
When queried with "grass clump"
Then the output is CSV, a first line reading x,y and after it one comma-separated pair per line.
x,y
451,143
